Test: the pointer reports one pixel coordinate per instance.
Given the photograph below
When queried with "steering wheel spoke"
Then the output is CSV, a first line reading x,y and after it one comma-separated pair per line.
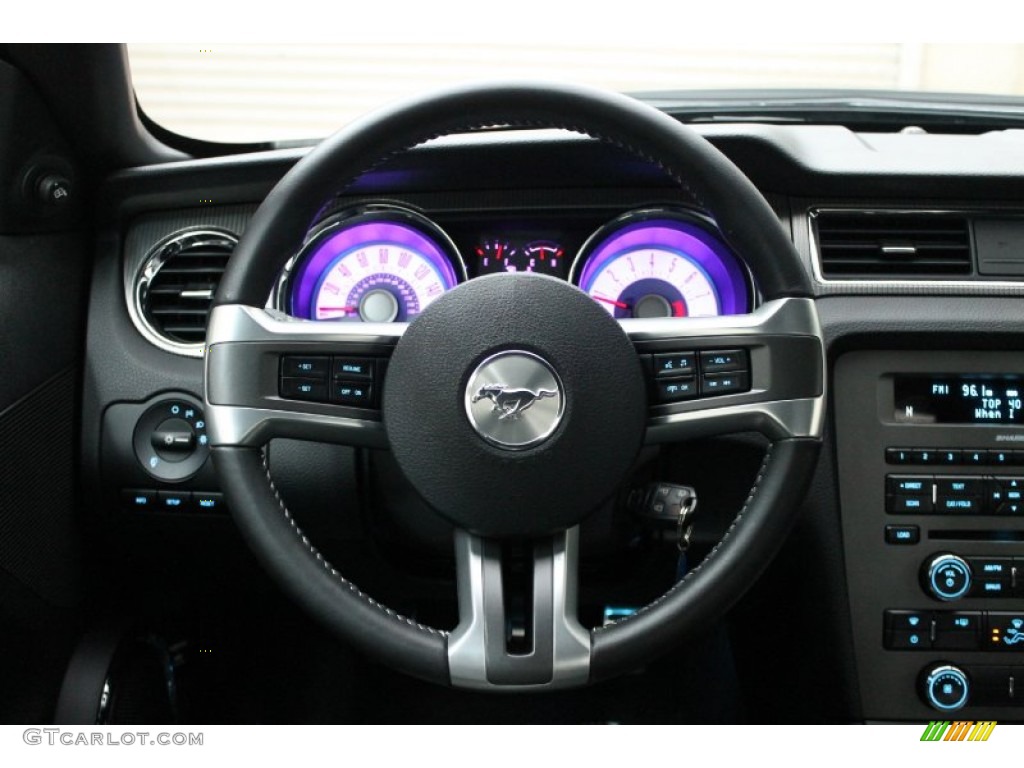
x,y
270,375
518,632
739,373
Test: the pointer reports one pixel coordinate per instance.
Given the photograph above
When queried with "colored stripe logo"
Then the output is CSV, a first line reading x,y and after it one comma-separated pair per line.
x,y
961,730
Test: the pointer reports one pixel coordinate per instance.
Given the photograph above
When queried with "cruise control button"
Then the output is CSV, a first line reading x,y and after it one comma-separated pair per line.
x,y
671,390
725,383
351,393
302,366
721,362
353,368
304,389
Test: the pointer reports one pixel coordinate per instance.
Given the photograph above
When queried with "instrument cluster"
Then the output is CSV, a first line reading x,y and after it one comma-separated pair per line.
x,y
384,263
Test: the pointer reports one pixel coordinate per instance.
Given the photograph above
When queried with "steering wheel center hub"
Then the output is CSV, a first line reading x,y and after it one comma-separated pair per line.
x,y
490,405
515,400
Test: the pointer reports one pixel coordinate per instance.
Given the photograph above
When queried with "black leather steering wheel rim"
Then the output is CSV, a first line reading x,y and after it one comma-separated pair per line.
x,y
278,228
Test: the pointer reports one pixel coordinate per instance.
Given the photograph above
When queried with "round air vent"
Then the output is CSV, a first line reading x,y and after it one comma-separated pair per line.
x,y
175,285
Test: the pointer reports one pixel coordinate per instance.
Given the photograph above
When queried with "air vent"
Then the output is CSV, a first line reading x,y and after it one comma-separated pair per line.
x,y
913,245
175,287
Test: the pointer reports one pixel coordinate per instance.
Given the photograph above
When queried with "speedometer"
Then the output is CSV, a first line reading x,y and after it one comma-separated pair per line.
x,y
378,265
661,264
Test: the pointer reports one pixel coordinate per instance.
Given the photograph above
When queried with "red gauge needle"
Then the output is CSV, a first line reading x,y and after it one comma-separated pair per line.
x,y
338,309
606,300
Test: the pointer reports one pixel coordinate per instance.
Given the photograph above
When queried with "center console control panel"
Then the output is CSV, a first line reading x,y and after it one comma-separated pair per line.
x,y
931,478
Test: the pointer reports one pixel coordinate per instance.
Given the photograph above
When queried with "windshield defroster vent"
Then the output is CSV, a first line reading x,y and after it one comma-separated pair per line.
x,y
175,288
854,244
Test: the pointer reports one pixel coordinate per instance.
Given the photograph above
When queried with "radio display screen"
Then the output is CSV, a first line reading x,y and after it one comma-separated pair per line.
x,y
977,398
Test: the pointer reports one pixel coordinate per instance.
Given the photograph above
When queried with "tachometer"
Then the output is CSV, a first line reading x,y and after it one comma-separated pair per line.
x,y
377,265
661,264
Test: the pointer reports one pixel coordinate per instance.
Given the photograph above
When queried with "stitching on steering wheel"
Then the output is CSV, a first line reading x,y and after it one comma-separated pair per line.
x,y
736,521
330,568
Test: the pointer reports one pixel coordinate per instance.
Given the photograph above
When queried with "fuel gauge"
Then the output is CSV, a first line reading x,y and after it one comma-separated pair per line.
x,y
497,255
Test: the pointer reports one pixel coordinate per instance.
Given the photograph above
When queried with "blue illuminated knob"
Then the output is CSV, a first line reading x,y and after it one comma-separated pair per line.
x,y
948,577
946,688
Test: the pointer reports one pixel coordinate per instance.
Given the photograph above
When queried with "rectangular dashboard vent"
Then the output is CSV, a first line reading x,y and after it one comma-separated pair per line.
x,y
871,244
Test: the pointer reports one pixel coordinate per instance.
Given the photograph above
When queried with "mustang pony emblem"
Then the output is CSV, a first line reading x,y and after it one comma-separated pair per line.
x,y
511,402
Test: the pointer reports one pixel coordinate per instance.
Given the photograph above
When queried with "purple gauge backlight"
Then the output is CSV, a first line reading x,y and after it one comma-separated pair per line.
x,y
664,267
370,268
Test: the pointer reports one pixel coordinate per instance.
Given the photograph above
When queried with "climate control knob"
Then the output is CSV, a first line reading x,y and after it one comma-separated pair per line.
x,y
947,577
945,687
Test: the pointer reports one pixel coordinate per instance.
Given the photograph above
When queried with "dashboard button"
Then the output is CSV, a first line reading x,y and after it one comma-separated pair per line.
x,y
351,393
992,685
919,484
208,502
924,456
304,389
957,630
725,383
1000,458
949,457
911,621
958,505
671,390
975,458
353,368
1005,631
138,500
903,503
675,364
174,501
310,367
908,640
948,485
902,534
724,361
1010,508
897,455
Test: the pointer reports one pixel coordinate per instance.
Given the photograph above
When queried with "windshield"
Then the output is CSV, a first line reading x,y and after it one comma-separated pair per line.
x,y
272,93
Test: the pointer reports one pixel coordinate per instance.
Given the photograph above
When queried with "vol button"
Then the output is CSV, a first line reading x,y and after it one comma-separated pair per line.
x,y
948,577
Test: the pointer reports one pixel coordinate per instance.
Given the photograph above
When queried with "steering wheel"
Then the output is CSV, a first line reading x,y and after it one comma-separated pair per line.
x,y
533,478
